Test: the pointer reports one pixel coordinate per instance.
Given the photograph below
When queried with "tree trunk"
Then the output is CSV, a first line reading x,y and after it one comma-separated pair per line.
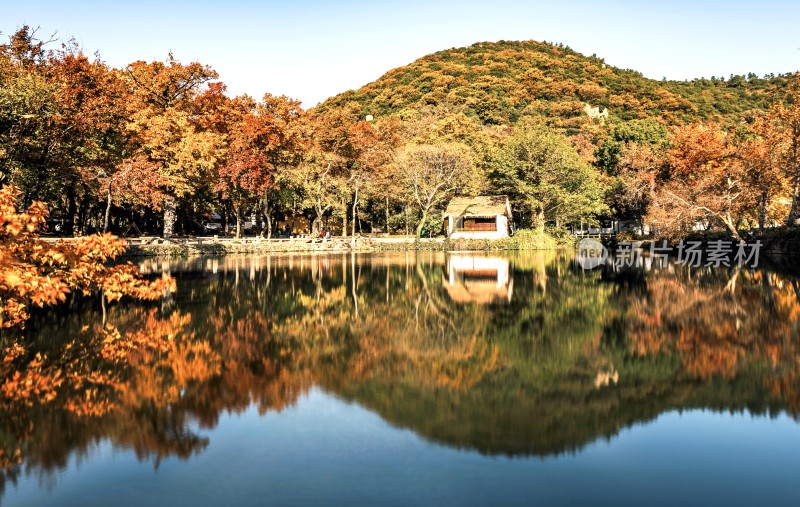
x,y
190,223
108,209
728,221
72,211
763,203
387,214
537,219
267,214
422,221
83,215
344,218
238,210
169,218
794,214
355,211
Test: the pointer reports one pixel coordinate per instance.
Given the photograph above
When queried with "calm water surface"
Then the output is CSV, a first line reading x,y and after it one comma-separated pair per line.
x,y
420,379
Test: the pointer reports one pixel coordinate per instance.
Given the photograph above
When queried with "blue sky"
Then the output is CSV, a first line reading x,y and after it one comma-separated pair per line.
x,y
311,50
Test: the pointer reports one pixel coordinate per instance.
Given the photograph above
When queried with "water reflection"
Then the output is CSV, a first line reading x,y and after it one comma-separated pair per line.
x,y
521,354
478,279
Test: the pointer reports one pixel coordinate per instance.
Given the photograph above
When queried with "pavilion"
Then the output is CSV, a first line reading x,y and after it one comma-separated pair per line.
x,y
481,217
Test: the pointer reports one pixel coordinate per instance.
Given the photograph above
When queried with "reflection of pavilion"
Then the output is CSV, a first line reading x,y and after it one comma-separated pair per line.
x,y
475,279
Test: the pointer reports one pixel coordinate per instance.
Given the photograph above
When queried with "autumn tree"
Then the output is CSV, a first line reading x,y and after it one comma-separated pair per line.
x,y
707,181
281,143
782,128
632,192
64,124
319,184
439,125
178,156
257,139
324,176
35,273
346,151
376,143
384,186
762,150
92,102
431,174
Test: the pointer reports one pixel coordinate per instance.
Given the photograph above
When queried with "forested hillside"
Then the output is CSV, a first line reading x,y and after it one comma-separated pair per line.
x,y
501,82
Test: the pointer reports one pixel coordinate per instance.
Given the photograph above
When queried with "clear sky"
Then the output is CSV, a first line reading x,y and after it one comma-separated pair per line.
x,y
311,50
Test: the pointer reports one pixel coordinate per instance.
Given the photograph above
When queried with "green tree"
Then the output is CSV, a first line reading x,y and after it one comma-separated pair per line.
x,y
611,150
27,102
547,178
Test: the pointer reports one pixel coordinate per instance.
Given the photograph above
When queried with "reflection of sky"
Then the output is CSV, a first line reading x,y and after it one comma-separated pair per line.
x,y
324,451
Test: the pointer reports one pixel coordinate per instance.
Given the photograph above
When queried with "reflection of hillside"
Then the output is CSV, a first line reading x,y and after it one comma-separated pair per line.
x,y
385,331
526,421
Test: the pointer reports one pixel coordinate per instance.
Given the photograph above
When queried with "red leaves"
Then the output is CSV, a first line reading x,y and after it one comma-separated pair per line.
x,y
259,137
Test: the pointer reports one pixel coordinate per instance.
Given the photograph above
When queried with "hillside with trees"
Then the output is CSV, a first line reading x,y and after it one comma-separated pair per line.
x,y
503,82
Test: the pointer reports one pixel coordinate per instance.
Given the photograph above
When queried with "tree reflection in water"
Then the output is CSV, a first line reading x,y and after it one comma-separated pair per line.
x,y
556,357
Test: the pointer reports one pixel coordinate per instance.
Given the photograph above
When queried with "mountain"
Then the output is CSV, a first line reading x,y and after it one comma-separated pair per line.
x,y
502,82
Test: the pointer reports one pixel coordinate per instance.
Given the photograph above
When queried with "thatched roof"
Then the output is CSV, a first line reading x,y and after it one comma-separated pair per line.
x,y
480,206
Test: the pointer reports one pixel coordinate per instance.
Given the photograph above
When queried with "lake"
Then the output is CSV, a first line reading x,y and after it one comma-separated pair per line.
x,y
418,378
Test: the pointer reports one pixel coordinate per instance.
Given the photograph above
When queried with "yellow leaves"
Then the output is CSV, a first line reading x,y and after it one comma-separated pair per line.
x,y
14,224
87,375
179,153
193,362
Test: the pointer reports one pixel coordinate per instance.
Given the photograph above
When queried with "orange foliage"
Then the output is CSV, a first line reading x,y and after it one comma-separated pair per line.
x,y
37,273
720,333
